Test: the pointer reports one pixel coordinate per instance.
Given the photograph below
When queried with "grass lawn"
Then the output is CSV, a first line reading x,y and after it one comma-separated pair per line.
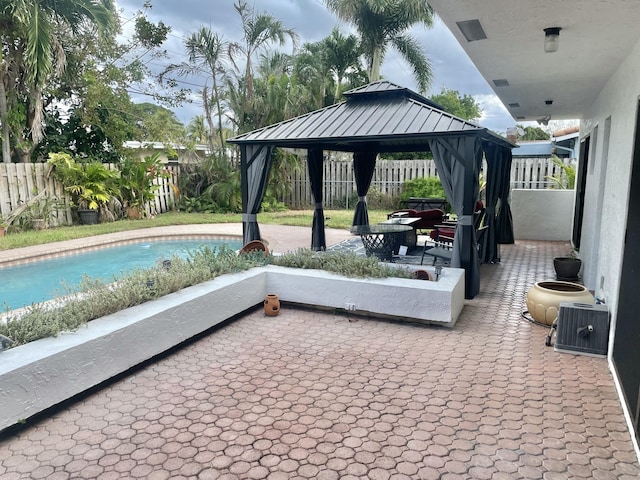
x,y
340,219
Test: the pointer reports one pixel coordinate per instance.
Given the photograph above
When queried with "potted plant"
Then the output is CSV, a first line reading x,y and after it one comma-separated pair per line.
x,y
567,268
137,183
42,213
91,184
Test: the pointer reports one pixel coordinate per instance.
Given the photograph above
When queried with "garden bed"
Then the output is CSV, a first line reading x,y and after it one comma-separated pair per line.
x,y
41,374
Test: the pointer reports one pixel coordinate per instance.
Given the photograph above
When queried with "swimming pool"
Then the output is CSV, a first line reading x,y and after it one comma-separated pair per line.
x,y
44,280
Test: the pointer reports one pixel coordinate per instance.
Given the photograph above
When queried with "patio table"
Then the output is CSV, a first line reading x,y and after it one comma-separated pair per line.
x,y
381,240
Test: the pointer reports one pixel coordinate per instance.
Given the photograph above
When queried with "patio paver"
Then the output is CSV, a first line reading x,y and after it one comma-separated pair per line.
x,y
315,395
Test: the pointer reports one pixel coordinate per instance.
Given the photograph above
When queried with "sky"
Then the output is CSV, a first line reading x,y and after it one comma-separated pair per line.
x,y
452,68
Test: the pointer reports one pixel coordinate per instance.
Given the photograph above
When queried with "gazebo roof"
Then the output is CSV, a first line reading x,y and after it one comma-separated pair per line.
x,y
380,116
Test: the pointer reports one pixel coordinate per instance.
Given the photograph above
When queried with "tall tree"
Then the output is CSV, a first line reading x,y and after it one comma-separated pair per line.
x,y
382,24
33,53
207,52
197,130
463,106
258,31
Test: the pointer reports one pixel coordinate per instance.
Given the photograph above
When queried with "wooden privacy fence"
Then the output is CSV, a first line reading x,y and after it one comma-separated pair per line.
x,y
22,182
389,175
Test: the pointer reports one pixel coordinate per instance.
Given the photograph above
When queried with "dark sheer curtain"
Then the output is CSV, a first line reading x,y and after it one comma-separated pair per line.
x,y
458,160
255,163
315,166
504,221
364,164
493,155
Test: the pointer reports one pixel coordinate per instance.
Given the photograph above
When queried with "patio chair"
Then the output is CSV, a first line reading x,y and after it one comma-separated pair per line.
x,y
442,237
428,218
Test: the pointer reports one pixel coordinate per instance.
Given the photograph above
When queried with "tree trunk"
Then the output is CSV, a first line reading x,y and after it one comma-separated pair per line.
x,y
219,107
6,145
375,65
207,115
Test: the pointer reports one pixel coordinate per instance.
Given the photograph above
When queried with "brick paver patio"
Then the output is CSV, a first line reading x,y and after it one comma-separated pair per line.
x,y
316,395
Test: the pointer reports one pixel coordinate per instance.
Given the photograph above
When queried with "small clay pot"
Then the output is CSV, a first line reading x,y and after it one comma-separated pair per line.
x,y
421,275
271,305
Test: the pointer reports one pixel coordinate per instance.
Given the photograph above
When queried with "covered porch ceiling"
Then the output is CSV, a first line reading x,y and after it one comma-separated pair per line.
x,y
595,37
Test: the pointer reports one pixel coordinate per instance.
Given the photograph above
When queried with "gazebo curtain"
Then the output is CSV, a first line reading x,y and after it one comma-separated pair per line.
x,y
364,164
314,163
458,160
255,164
493,155
504,221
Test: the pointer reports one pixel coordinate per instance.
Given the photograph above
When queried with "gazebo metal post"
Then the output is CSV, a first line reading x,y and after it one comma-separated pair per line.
x,y
315,166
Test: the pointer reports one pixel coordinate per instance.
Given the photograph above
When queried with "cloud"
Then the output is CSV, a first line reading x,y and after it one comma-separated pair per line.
x,y
451,66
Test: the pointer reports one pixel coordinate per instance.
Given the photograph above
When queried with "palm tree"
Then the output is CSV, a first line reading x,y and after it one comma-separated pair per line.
x,y
208,50
342,55
33,51
196,130
257,32
384,23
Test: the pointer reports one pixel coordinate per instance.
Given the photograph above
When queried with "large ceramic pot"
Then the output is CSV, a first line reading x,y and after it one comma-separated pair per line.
x,y
543,299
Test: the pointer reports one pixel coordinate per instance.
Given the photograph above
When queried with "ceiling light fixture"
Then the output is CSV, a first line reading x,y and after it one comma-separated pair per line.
x,y
551,39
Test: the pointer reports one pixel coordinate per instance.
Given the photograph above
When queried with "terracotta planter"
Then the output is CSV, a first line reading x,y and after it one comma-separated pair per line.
x,y
543,299
133,213
271,305
421,275
255,245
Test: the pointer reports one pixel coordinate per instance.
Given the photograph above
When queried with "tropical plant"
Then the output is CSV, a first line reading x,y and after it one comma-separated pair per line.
x,y
32,53
91,185
137,182
258,30
381,24
565,179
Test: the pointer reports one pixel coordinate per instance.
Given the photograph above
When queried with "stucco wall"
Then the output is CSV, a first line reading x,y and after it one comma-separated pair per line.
x,y
542,214
605,222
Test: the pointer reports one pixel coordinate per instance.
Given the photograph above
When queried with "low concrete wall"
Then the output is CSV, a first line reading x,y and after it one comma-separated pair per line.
x,y
542,214
41,374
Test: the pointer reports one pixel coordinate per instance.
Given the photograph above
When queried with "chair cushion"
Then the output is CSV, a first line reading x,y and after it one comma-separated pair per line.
x,y
409,211
429,218
442,232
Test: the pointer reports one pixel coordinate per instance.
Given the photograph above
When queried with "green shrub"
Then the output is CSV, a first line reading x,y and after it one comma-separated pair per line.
x,y
376,200
344,263
424,187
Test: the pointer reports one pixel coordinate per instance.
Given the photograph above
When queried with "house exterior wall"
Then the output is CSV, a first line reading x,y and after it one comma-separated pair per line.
x,y
607,191
542,214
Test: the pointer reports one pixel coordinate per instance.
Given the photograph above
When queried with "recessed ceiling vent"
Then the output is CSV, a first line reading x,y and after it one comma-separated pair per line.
x,y
501,82
472,30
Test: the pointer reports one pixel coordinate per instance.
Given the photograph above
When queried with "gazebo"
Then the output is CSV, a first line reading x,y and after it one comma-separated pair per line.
x,y
384,117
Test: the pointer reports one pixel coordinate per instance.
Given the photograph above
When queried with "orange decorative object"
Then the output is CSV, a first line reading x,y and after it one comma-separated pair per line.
x,y
271,305
255,245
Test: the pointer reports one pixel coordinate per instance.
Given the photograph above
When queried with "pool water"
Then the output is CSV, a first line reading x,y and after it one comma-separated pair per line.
x,y
35,282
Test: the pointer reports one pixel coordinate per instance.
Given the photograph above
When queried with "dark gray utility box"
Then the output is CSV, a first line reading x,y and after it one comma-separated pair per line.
x,y
582,328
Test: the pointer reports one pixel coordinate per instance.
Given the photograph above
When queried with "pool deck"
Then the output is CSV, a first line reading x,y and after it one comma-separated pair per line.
x,y
313,395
